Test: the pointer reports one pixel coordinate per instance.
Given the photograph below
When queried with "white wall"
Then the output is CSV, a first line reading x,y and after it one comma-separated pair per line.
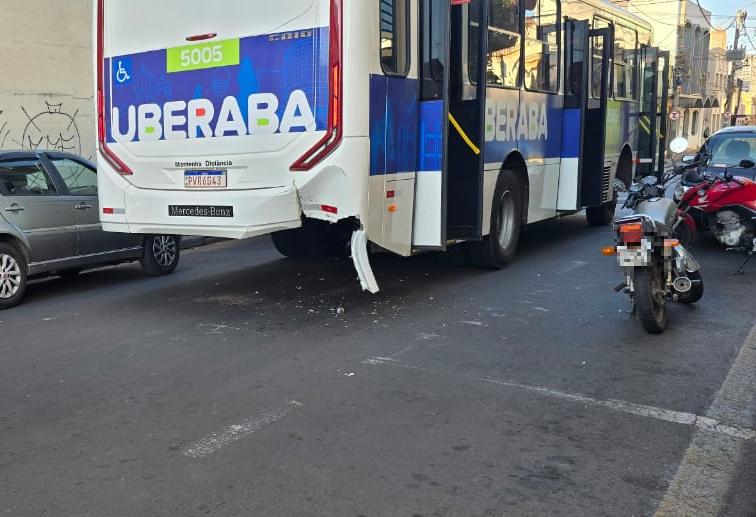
x,y
46,85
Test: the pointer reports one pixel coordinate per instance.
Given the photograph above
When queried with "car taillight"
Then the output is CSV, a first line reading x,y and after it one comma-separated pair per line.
x,y
631,233
335,130
118,164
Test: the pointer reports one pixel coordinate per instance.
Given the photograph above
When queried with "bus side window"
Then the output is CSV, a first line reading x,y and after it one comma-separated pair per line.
x,y
625,62
542,45
432,56
395,36
597,59
504,51
575,63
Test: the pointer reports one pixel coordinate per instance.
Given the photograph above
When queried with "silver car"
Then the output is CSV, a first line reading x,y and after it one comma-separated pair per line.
x,y
49,224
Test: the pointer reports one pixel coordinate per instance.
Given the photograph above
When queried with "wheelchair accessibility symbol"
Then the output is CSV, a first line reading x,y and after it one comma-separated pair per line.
x,y
122,70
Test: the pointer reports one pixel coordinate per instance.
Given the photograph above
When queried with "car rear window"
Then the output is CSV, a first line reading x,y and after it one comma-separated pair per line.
x,y
25,178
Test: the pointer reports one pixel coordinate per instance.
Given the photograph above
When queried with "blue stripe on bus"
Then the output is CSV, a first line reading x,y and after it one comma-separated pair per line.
x,y
571,133
393,124
431,140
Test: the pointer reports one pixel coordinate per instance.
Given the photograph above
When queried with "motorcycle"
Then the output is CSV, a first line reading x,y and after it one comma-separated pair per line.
x,y
724,204
657,267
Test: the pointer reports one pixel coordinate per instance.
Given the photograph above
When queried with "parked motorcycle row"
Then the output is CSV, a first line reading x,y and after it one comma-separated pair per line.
x,y
652,245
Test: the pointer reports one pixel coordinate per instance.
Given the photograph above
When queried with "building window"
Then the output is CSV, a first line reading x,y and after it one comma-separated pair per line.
x,y
395,36
504,50
542,45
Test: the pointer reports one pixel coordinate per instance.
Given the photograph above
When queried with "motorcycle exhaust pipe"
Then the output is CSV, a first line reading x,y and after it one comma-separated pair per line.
x,y
682,284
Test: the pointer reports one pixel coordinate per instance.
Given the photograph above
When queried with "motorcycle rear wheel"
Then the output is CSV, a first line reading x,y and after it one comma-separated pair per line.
x,y
650,307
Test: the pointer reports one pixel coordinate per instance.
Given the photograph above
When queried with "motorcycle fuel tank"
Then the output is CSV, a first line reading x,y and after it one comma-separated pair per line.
x,y
661,210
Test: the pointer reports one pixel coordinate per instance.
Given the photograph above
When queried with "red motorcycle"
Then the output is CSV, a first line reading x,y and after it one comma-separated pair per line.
x,y
725,204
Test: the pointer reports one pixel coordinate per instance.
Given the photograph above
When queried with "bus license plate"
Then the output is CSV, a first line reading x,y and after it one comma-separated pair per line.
x,y
205,179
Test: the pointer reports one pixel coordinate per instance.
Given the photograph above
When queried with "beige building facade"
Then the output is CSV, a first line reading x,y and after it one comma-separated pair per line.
x,y
46,84
684,28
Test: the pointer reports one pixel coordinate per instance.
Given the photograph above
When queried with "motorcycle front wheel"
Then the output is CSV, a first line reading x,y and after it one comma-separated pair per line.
x,y
650,304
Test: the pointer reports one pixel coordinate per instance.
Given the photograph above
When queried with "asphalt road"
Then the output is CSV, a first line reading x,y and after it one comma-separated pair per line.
x,y
247,384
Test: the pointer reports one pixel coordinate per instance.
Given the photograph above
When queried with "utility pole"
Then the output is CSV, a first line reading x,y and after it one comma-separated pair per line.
x,y
740,18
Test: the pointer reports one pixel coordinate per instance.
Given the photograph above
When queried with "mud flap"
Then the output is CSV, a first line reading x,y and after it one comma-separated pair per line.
x,y
362,262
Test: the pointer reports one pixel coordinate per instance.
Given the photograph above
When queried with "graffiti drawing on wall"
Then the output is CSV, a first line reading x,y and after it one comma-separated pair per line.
x,y
4,131
51,127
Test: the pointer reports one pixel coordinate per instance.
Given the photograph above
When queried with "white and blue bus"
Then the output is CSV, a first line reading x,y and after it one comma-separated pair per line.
x,y
410,124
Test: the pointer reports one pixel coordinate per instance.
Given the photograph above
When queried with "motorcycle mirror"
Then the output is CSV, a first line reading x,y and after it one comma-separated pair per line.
x,y
688,158
746,164
679,145
619,185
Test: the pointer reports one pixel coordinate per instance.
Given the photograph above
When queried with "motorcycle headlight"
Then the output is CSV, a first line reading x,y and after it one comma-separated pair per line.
x,y
679,193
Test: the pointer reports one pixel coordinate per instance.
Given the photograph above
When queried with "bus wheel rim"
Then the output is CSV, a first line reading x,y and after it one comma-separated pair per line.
x,y
10,277
506,219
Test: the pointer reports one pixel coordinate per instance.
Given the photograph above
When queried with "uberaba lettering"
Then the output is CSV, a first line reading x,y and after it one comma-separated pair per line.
x,y
198,118
508,121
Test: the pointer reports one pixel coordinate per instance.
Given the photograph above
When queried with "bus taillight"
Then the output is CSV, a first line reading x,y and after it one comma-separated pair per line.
x,y
335,131
118,164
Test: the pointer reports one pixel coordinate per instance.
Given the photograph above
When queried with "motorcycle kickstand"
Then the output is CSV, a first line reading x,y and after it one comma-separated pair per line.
x,y
743,265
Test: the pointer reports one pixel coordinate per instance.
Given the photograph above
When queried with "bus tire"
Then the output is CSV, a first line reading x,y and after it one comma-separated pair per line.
x,y
289,243
315,239
601,215
499,248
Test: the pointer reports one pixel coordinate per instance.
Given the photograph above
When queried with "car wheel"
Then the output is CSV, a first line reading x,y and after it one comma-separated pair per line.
x,y
12,276
499,248
160,255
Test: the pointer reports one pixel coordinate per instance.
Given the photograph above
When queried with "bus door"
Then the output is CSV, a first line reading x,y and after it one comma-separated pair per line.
x,y
576,54
662,89
429,225
652,118
586,89
449,186
593,190
466,130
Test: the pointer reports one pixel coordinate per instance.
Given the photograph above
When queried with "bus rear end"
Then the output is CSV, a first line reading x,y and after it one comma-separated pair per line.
x,y
210,114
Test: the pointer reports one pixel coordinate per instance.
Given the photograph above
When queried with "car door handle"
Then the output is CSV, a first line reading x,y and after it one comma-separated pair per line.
x,y
15,208
83,206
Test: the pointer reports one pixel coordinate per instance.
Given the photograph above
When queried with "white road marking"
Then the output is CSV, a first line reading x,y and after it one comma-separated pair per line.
x,y
705,475
705,423
229,434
